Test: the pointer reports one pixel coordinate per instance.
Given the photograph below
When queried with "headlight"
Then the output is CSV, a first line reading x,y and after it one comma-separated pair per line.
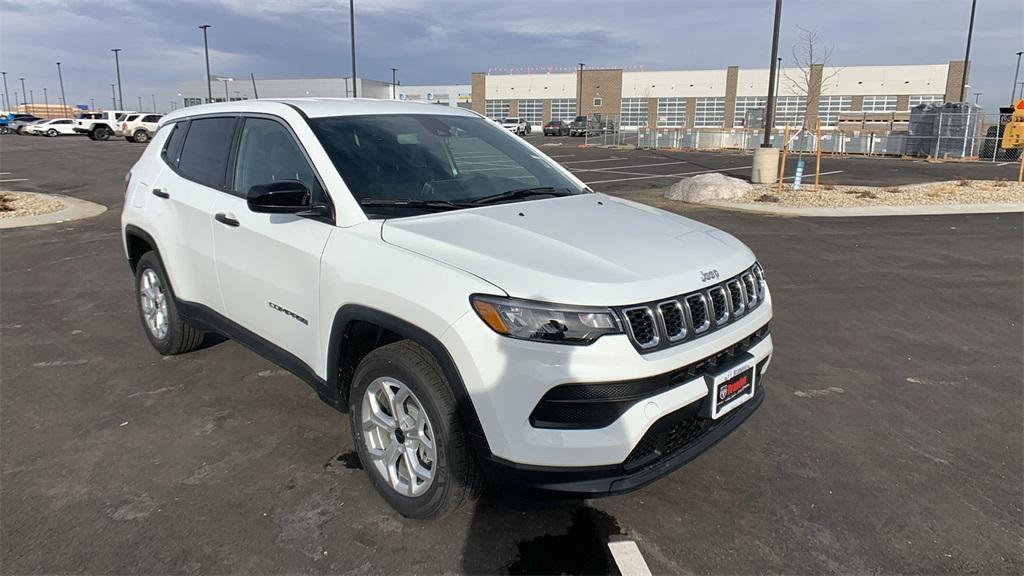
x,y
528,320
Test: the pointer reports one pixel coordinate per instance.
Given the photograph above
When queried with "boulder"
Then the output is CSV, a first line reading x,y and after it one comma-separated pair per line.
x,y
704,187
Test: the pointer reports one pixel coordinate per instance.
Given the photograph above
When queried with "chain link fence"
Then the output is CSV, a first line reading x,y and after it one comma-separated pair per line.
x,y
970,135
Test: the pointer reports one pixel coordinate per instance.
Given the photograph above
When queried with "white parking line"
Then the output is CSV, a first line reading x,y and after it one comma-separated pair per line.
x,y
598,160
668,175
562,156
628,558
809,175
610,168
14,180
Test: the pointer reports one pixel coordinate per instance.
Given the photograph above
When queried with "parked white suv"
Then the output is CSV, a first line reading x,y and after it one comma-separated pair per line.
x,y
476,322
516,125
139,127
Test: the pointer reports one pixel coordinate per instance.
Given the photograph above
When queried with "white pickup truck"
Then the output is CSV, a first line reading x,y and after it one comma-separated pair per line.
x,y
100,125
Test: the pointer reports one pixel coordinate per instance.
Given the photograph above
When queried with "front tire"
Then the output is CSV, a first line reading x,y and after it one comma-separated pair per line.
x,y
164,327
408,434
51,133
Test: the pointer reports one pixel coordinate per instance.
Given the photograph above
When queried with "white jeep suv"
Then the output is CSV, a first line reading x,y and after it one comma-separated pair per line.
x,y
475,308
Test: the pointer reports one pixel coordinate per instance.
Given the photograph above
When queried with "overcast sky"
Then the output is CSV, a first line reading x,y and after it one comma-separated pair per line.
x,y
442,41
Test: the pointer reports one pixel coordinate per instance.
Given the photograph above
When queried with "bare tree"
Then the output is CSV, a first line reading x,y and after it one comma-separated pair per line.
x,y
807,54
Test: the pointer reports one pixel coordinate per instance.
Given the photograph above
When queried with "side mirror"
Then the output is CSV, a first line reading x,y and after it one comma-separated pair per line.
x,y
281,197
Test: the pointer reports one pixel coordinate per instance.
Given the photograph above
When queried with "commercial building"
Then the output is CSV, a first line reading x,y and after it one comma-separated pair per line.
x,y
195,92
714,99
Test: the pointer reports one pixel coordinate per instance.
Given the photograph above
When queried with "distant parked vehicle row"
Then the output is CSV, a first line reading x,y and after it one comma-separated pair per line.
x,y
16,123
101,125
556,128
53,127
139,127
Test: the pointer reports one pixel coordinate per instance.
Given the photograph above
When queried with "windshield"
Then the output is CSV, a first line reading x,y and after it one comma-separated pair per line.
x,y
511,120
417,158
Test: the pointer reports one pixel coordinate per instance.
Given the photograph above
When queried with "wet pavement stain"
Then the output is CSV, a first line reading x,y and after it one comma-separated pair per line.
x,y
345,460
582,550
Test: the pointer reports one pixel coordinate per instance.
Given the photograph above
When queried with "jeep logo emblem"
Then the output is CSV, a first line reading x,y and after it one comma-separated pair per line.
x,y
709,275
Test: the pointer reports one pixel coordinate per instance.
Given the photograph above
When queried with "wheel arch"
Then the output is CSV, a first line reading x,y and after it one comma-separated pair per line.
x,y
344,344
137,242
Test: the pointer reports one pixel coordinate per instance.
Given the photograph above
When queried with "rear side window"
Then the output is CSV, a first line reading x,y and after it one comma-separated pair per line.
x,y
204,155
152,118
173,147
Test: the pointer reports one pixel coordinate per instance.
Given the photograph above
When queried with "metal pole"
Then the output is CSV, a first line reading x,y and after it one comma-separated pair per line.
x,y
1013,89
117,64
113,96
60,77
140,103
92,103
579,91
352,34
967,55
394,86
770,108
206,50
153,96
226,97
32,97
46,101
778,77
6,94
23,92
252,77
15,99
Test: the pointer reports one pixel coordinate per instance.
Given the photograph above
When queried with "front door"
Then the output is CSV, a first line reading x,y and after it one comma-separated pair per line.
x,y
268,265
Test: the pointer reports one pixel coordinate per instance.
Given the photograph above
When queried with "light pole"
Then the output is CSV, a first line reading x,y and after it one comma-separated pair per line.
x,y
352,35
225,80
967,54
117,65
394,89
579,90
113,96
769,112
976,96
60,77
140,103
778,77
206,50
92,103
32,97
1013,88
174,105
6,94
46,101
23,93
153,96
256,94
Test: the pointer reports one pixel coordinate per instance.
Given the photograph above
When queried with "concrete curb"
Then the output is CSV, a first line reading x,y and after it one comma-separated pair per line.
x,y
919,210
74,209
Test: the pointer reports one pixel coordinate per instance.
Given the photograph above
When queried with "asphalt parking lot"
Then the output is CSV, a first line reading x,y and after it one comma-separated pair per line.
x,y
890,441
621,171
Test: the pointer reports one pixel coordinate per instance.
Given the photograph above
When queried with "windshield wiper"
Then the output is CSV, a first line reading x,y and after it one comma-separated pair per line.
x,y
409,203
519,193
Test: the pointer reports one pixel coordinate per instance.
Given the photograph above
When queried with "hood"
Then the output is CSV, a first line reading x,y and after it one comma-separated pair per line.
x,y
589,249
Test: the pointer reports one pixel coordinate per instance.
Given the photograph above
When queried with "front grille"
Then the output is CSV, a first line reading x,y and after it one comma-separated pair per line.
x,y
672,321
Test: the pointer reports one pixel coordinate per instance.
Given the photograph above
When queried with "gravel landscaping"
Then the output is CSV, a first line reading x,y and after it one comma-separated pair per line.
x,y
15,204
831,195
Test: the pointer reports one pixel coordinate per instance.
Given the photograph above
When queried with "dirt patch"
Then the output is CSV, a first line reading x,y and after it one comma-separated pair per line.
x,y
840,196
14,204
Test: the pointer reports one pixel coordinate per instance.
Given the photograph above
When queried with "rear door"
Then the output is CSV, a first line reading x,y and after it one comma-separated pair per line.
x,y
196,158
269,264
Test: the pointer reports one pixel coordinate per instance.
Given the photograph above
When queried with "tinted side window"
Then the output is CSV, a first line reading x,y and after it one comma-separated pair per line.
x,y
204,155
173,145
267,153
152,118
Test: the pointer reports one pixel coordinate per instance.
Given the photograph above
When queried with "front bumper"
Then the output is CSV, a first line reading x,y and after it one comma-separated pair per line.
x,y
589,482
506,379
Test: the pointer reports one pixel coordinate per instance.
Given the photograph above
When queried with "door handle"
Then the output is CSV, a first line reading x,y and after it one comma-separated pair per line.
x,y
226,219
160,193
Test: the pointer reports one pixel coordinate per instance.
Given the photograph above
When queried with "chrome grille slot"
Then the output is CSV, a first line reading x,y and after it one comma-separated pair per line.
x,y
697,306
642,327
719,304
673,319
739,305
759,276
750,286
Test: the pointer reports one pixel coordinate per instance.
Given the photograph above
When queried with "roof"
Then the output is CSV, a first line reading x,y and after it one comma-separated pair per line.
x,y
318,107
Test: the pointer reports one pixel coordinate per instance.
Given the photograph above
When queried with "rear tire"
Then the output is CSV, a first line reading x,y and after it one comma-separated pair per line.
x,y
455,476
51,133
140,136
101,133
158,309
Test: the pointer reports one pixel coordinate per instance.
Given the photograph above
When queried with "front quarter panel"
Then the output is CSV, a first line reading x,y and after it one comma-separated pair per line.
x,y
359,268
